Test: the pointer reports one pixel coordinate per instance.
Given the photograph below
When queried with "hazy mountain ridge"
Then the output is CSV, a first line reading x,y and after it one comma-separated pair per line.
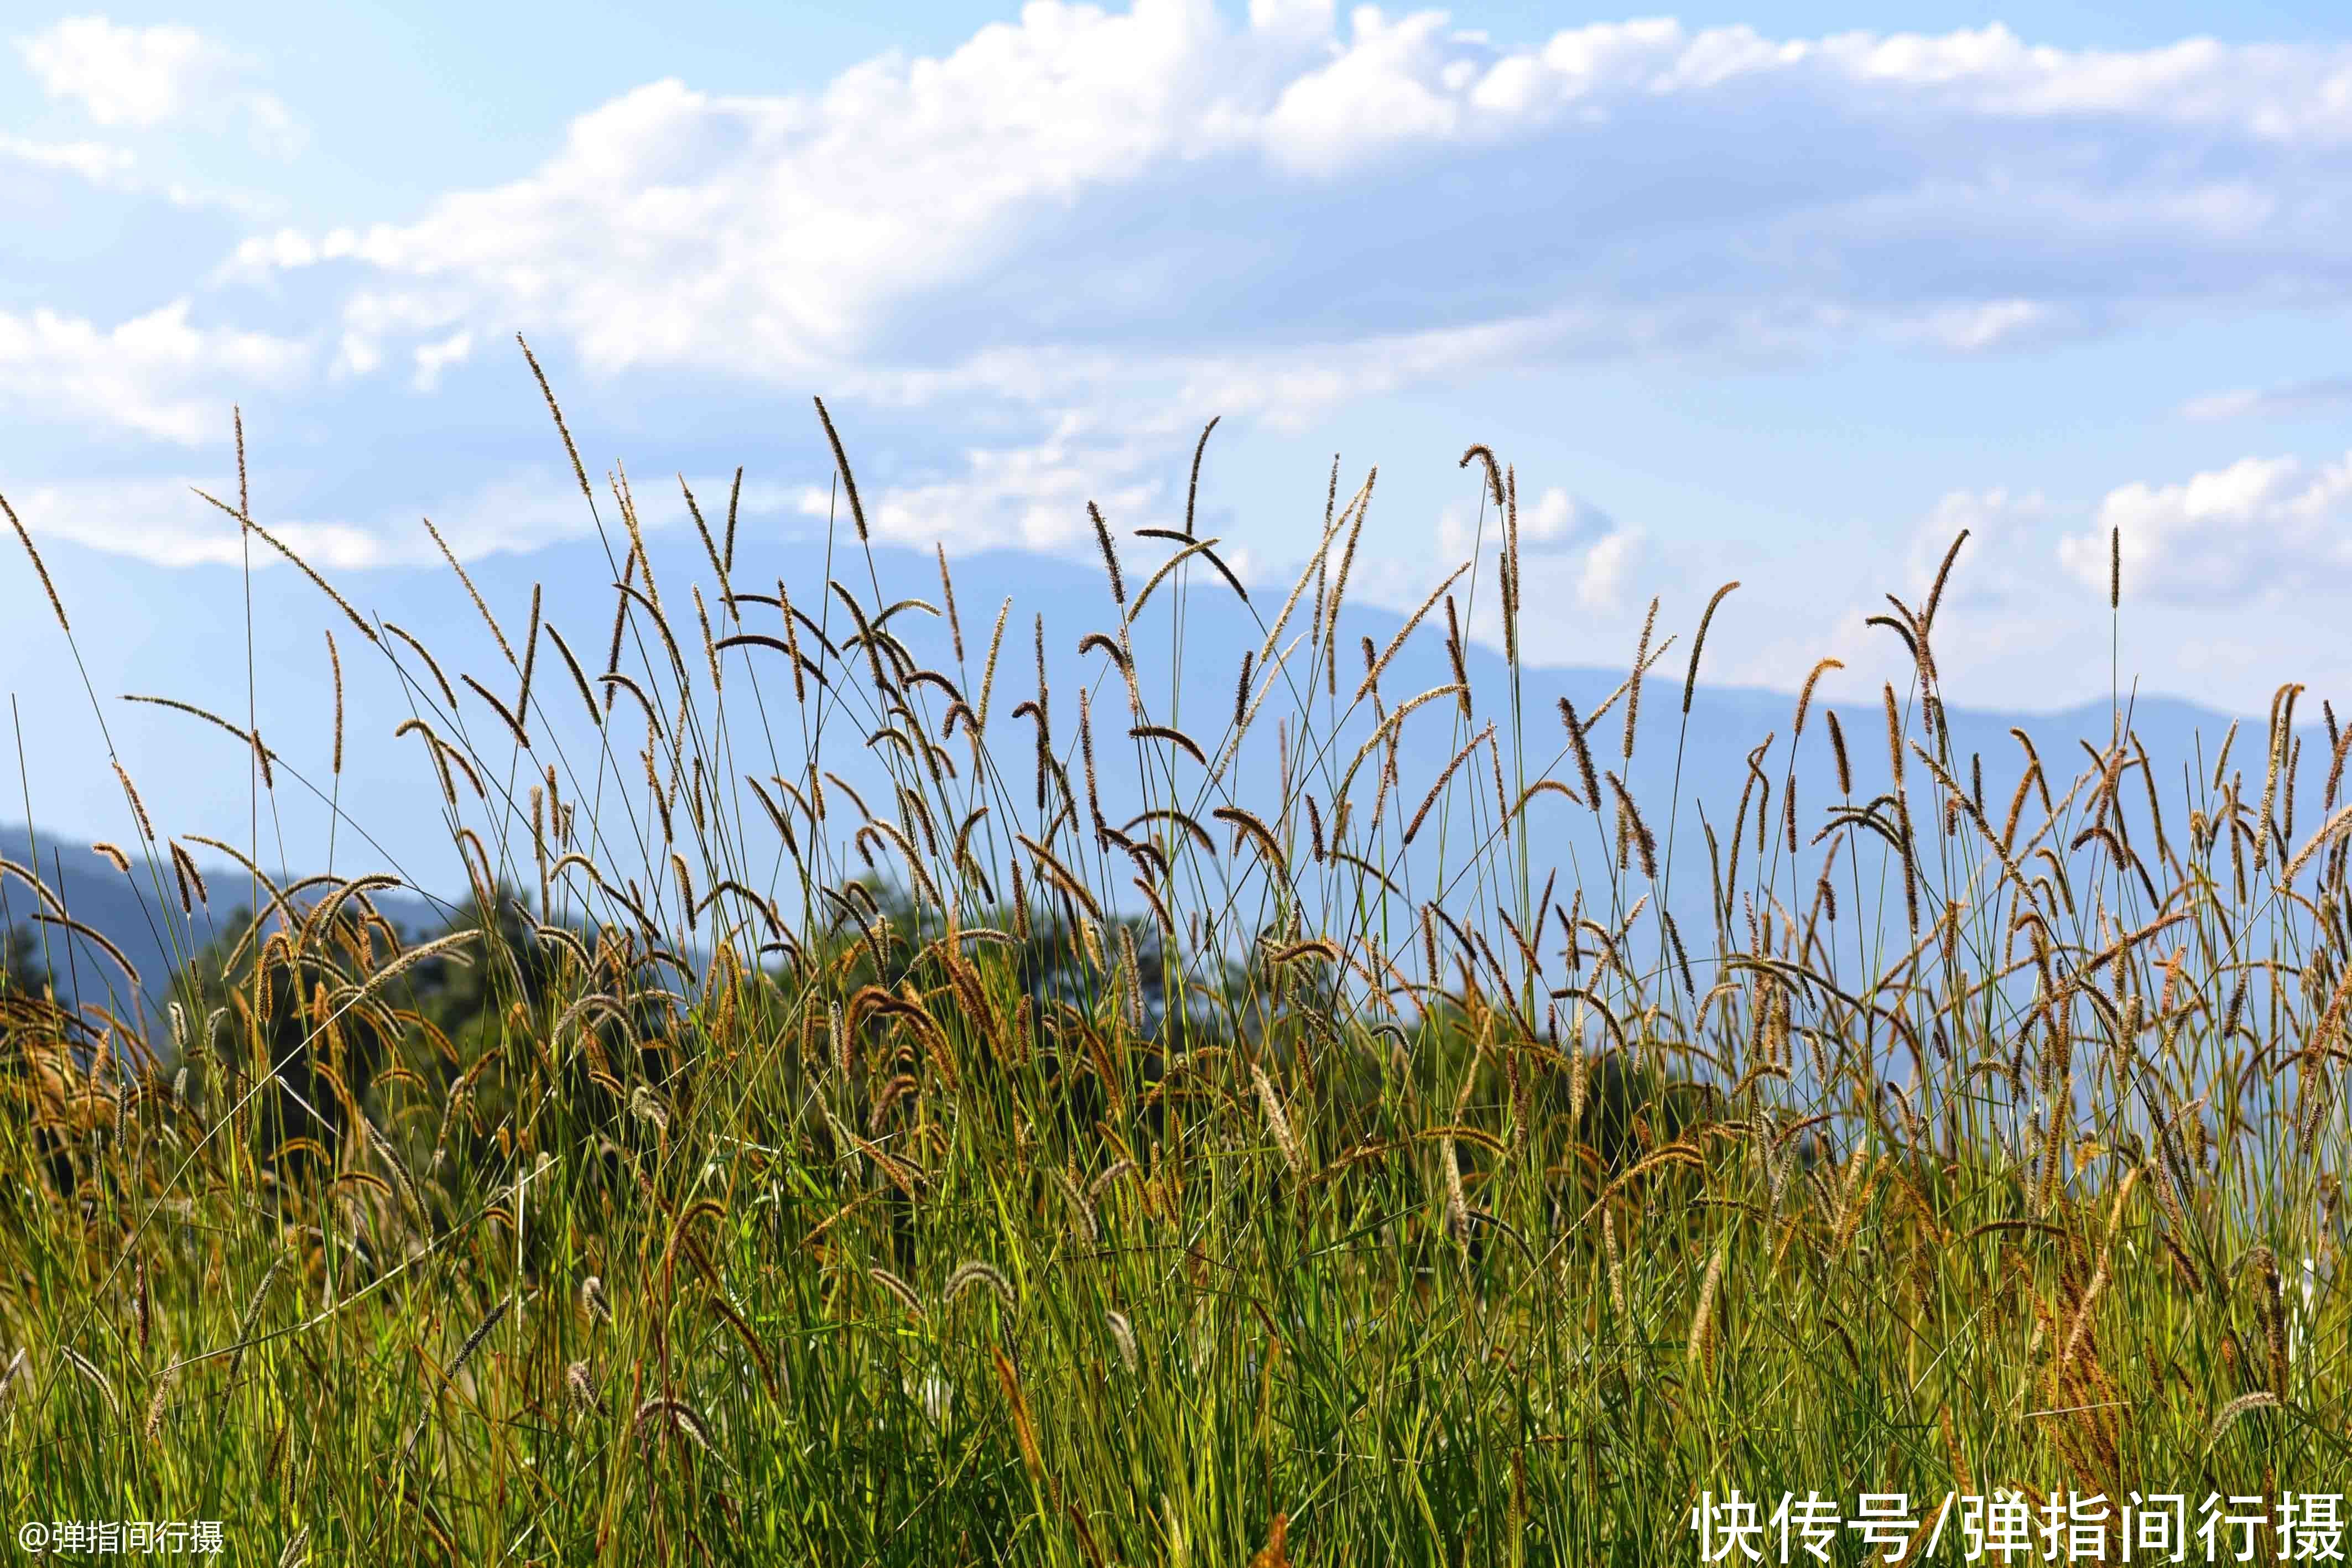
x,y
386,788
125,909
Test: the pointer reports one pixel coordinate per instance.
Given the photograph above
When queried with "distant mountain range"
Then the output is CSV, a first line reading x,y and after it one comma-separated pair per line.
x,y
1687,774
128,911
1724,723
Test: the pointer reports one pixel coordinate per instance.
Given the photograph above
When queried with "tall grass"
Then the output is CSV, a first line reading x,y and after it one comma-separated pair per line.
x,y
764,1166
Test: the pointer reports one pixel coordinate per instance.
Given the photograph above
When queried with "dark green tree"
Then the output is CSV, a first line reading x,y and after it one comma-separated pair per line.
x,y
21,968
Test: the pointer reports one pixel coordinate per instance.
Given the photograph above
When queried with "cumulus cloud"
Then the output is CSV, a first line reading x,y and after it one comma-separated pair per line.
x,y
2261,528
145,77
1607,570
1621,189
2007,556
1085,229
158,375
1569,550
1034,496
1554,523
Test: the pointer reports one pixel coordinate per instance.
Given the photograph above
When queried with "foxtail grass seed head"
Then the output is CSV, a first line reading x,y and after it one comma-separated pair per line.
x,y
1457,1205
1279,1123
476,595
320,583
253,1311
190,880
1511,569
1634,687
1698,1352
674,1415
974,1275
1438,788
1486,455
710,646
2261,1399
40,568
1122,1333
1635,827
734,499
947,592
153,1426
898,1289
138,807
841,461
579,470
1372,675
1109,555
481,1331
335,664
1192,490
580,1385
531,656
1339,597
1837,748
1698,645
1584,768
1805,696
1454,654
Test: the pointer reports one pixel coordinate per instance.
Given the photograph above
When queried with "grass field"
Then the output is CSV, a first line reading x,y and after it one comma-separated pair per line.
x,y
763,1166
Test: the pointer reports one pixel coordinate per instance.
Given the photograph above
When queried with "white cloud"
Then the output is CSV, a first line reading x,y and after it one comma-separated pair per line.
x,y
1090,229
1033,497
107,167
120,75
2262,527
1569,552
2299,397
2007,558
94,162
1070,214
432,359
144,77
1606,570
1559,519
1555,523
355,355
2259,528
1617,189
157,374
162,520
1994,323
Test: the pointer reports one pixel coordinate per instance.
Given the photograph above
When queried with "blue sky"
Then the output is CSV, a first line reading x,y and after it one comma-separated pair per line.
x,y
1749,293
